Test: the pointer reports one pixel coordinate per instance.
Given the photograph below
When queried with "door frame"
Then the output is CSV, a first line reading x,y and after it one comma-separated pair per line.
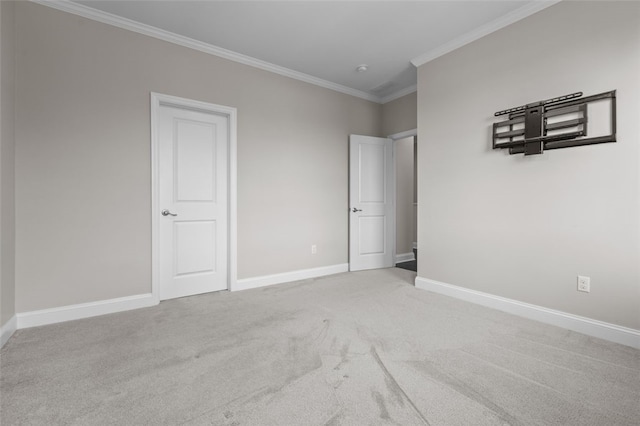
x,y
390,183
392,176
395,137
158,100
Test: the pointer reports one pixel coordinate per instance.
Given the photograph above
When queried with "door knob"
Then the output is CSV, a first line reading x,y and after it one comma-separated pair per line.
x,y
166,212
356,210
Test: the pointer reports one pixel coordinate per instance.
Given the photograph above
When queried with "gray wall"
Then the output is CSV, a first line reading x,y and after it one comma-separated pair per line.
x,y
83,158
7,205
525,227
400,115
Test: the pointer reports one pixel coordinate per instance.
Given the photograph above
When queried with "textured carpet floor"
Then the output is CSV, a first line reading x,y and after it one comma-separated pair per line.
x,y
362,348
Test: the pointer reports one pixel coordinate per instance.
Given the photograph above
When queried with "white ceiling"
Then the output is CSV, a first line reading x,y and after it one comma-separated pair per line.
x,y
327,40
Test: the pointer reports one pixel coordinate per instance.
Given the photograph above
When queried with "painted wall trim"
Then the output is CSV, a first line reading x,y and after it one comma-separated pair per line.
x,y
285,277
84,310
495,25
405,257
403,135
7,330
588,326
148,30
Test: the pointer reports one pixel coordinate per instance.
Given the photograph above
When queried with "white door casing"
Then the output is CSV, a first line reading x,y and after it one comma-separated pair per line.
x,y
371,203
191,146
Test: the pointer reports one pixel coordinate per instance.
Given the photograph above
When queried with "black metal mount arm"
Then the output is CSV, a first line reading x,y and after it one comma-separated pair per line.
x,y
528,130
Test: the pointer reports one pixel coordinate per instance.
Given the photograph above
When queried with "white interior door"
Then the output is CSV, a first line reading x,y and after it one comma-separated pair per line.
x,y
372,203
193,201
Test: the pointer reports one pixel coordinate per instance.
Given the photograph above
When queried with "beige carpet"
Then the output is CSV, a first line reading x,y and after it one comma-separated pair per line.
x,y
363,348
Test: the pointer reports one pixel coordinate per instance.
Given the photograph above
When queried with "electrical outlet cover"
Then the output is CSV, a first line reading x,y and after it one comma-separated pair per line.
x,y
584,284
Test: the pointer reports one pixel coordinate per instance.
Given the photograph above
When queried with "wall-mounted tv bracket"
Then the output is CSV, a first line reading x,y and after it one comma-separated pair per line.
x,y
551,124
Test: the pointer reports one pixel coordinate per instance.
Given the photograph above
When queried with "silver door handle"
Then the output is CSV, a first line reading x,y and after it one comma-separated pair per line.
x,y
356,210
166,212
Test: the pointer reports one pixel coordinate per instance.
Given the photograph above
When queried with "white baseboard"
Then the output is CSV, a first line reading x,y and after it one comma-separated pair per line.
x,y
7,330
405,257
603,330
302,274
84,310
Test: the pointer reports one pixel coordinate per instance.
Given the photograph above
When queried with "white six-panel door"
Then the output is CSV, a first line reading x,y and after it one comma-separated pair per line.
x,y
371,203
192,160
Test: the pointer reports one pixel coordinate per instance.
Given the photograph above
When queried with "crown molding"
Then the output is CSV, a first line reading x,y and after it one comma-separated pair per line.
x,y
495,25
400,93
148,30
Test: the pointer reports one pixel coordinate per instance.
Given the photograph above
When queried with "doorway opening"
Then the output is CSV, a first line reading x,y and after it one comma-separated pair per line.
x,y
374,168
405,158
193,197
